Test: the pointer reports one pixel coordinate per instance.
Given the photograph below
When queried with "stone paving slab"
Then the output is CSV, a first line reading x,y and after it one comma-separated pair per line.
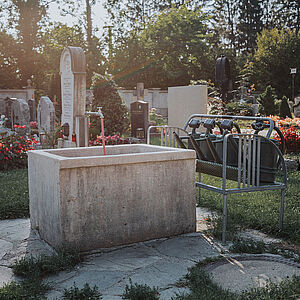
x,y
159,263
18,241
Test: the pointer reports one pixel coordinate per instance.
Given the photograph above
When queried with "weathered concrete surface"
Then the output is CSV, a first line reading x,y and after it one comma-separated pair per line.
x,y
86,200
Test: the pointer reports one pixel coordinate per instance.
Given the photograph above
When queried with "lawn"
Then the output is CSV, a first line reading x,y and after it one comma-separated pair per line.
x,y
260,210
14,197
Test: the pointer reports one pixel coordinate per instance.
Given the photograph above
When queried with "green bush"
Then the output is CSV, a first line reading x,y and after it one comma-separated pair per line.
x,y
238,109
116,116
74,293
267,100
284,109
27,289
140,292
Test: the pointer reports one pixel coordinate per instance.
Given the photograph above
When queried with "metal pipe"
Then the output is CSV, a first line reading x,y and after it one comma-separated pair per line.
x,y
100,115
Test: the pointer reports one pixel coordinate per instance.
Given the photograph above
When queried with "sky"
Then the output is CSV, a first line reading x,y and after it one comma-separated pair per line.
x,y
98,15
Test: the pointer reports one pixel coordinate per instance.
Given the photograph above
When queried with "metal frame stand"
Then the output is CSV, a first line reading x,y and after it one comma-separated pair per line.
x,y
248,170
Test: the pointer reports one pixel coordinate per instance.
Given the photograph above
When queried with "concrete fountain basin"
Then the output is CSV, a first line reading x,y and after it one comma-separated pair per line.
x,y
81,198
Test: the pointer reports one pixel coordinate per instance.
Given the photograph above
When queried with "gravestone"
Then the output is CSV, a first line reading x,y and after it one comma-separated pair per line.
x,y
2,107
20,114
73,88
31,103
46,115
139,119
297,107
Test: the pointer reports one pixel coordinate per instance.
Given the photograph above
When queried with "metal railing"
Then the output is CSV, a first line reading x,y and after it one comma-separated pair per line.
x,y
167,137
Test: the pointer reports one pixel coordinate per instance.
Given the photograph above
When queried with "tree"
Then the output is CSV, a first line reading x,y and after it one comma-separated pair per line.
x,y
171,50
29,14
277,52
116,118
52,42
9,75
224,21
287,14
250,23
128,15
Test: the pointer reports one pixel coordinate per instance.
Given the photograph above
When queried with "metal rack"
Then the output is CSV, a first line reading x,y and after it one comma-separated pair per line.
x,y
241,157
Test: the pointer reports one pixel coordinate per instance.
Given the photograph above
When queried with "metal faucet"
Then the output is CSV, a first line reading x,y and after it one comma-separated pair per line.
x,y
100,115
95,113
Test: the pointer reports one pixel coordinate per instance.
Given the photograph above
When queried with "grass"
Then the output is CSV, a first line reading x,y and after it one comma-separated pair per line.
x,y
260,210
203,288
258,247
33,270
45,265
14,197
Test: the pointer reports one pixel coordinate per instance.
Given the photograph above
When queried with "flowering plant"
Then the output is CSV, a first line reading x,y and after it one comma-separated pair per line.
x,y
13,151
109,140
34,125
2,120
19,126
290,129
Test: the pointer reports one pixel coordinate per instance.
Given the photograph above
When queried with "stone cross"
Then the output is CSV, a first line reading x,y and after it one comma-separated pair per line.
x,y
46,115
73,87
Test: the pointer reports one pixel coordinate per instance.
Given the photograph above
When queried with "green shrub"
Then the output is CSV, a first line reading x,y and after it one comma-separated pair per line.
x,y
27,289
238,109
140,292
74,293
116,116
284,109
267,100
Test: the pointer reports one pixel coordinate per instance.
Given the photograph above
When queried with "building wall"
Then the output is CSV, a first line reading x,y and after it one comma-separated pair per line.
x,y
156,98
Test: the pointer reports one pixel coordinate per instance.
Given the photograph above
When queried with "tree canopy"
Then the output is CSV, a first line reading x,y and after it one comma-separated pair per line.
x,y
159,42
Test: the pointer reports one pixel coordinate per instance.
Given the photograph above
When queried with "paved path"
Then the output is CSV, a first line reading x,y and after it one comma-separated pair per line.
x,y
160,263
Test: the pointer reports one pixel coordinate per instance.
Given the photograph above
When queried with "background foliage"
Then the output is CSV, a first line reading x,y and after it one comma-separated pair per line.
x,y
159,42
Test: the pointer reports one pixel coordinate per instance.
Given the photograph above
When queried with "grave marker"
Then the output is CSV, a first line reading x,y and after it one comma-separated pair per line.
x,y
46,115
297,107
73,87
20,113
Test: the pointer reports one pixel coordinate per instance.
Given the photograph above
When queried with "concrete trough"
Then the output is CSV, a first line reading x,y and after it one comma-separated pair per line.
x,y
81,198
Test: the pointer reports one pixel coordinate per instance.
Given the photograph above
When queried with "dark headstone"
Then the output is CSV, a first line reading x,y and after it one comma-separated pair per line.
x,y
139,112
31,103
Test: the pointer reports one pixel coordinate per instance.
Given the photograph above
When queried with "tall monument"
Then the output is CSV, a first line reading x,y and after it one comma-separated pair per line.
x,y
73,89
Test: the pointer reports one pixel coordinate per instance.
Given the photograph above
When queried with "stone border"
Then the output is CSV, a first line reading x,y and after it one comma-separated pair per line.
x,y
266,257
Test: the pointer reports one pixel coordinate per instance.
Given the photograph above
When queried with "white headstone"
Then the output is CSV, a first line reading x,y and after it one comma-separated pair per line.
x,y
183,101
297,107
46,115
73,87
